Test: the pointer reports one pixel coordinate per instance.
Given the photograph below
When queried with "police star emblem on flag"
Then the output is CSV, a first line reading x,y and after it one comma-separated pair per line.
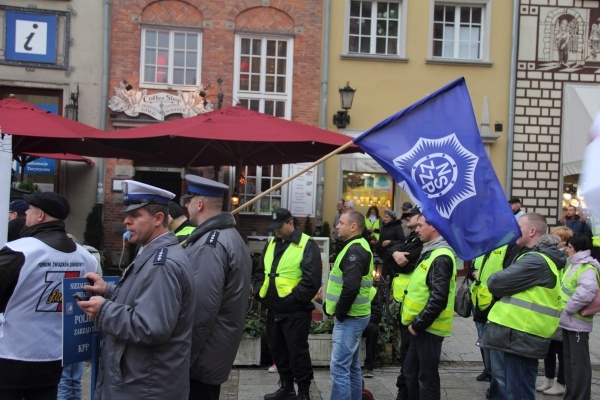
x,y
443,168
433,149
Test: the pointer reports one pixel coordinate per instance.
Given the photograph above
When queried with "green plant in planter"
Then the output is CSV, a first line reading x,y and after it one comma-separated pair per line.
x,y
255,324
28,185
389,332
320,327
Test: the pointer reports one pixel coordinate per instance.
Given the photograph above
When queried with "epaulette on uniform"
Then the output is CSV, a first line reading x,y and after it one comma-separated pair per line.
x,y
212,238
160,257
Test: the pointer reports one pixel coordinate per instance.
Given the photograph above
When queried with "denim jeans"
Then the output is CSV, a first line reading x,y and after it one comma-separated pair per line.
x,y
421,366
345,367
521,373
69,387
494,362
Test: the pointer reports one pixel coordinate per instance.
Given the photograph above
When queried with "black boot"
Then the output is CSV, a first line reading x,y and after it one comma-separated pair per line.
x,y
303,391
286,391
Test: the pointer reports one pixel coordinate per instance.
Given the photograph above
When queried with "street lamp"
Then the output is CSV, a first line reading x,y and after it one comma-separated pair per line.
x,y
341,118
72,109
235,198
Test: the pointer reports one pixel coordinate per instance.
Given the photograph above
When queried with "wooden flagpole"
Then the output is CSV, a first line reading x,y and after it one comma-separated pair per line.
x,y
297,174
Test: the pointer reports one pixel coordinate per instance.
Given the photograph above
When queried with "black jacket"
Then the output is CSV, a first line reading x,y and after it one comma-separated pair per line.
x,y
355,264
376,310
412,245
438,283
300,300
393,232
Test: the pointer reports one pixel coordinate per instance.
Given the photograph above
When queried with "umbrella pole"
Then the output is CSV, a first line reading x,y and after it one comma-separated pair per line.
x,y
297,174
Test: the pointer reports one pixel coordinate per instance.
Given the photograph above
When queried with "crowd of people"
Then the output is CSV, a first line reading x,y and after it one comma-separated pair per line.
x,y
173,323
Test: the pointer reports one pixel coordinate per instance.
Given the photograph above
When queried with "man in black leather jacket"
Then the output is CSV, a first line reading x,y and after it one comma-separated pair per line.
x,y
289,316
428,325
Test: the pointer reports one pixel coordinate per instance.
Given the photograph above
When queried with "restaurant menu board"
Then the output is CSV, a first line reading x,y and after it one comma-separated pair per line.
x,y
302,191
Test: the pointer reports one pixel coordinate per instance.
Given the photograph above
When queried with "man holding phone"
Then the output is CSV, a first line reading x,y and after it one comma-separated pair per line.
x,y
147,317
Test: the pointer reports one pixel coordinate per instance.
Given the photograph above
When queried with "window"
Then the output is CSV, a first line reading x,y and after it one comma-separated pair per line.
x,y
170,58
263,74
258,180
374,27
458,31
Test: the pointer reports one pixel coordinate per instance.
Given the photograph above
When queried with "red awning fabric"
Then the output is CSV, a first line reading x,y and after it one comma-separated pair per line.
x,y
230,136
61,156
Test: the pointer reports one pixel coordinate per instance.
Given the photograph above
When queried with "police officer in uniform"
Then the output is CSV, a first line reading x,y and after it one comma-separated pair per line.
x,y
31,273
222,269
428,310
285,282
147,317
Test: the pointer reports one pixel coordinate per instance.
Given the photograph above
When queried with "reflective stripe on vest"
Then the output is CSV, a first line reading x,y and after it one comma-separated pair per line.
x,y
362,304
535,311
289,273
569,285
417,295
480,293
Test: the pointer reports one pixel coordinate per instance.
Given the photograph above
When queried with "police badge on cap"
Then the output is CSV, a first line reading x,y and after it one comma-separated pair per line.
x,y
138,194
279,217
199,186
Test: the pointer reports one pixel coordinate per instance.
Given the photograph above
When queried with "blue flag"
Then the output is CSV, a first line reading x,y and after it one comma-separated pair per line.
x,y
434,151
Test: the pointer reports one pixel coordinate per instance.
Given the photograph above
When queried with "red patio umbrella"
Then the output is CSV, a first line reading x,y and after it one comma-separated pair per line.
x,y
61,156
35,130
230,136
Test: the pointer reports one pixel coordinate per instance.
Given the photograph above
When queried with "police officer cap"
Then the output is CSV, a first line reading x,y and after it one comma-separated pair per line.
x,y
18,206
137,194
410,213
51,203
198,186
280,215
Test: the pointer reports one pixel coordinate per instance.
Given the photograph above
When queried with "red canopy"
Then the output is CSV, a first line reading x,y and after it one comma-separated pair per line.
x,y
61,156
35,130
230,136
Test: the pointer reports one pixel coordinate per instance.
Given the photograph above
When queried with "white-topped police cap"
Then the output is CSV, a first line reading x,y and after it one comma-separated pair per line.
x,y
137,194
199,186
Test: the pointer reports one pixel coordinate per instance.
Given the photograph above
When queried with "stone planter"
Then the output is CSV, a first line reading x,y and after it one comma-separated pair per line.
x,y
248,352
320,347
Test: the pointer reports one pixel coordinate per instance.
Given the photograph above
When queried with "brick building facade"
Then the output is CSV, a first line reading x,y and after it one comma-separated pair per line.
x,y
205,41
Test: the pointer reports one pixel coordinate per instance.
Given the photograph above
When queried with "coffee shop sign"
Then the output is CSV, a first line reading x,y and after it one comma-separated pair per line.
x,y
158,105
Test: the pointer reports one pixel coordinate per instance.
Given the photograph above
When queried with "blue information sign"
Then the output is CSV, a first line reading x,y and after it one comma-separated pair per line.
x,y
31,37
78,329
40,166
